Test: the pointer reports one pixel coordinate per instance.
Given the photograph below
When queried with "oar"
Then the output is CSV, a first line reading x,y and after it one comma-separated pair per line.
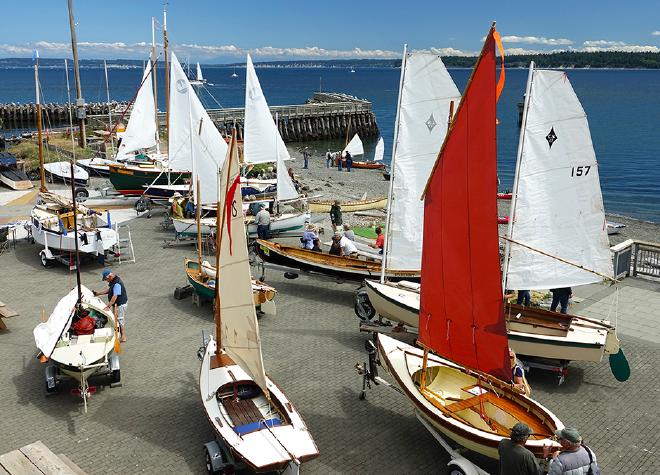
x,y
619,366
117,345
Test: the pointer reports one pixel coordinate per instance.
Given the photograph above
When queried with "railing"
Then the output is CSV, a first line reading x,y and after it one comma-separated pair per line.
x,y
636,258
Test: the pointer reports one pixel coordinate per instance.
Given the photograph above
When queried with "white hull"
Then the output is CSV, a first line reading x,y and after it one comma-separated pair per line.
x,y
281,223
463,426
261,448
586,339
13,181
62,171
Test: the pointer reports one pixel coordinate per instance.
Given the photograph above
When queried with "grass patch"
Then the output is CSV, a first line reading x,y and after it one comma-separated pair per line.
x,y
29,151
368,232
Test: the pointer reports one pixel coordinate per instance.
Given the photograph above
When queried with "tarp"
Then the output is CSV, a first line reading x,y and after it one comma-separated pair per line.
x,y
557,202
47,334
7,159
461,308
427,91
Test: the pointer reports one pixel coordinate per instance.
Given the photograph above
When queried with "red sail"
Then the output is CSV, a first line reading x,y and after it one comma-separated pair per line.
x,y
461,311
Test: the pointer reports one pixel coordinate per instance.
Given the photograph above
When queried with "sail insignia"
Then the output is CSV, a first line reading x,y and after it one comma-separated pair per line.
x,y
551,137
431,123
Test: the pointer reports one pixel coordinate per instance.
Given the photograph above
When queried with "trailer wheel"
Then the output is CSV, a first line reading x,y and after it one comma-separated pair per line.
x,y
363,308
456,471
44,260
81,194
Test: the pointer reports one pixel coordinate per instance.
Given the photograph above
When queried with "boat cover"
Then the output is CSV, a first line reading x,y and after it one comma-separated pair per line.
x,y
7,159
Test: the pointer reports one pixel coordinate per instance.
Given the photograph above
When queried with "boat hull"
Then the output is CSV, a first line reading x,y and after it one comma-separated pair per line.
x,y
455,416
365,165
349,207
15,179
278,224
263,449
346,268
393,302
134,180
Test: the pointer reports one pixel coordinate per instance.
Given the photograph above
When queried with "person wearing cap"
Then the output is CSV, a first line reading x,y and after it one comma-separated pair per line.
x,y
515,458
118,296
574,458
263,222
177,210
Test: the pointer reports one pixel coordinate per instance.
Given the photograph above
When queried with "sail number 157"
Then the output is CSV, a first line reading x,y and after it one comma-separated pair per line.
x,y
580,171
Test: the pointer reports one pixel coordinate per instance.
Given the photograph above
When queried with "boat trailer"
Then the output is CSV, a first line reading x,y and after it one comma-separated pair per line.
x,y
559,367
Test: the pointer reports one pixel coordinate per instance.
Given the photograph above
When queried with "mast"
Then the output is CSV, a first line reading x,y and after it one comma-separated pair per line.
x,y
42,187
199,231
107,93
514,194
167,73
154,58
383,265
80,102
73,184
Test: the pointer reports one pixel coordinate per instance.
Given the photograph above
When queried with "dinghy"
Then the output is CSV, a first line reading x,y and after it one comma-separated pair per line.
x,y
355,148
247,411
10,175
426,95
459,381
61,171
323,206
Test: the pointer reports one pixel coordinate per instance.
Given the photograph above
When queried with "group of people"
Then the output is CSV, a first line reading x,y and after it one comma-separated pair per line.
x,y
333,159
574,458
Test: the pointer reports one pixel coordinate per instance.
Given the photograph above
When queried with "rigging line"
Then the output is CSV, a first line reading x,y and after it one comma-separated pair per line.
x,y
614,280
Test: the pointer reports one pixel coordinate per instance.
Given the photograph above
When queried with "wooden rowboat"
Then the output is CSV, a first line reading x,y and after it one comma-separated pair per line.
x,y
349,268
364,165
323,206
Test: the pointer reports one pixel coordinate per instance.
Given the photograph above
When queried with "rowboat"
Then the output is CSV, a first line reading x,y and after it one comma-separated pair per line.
x,y
323,206
10,175
247,411
364,165
348,268
279,223
459,379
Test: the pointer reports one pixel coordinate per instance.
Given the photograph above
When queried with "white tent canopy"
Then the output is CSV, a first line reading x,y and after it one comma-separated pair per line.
x,y
141,128
426,93
259,128
195,144
355,147
557,203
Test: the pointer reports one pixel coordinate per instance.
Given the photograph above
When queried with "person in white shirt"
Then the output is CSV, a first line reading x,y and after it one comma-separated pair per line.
x,y
347,247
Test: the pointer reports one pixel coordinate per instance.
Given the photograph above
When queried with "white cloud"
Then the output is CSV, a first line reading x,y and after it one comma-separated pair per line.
x,y
655,33
536,40
598,43
591,46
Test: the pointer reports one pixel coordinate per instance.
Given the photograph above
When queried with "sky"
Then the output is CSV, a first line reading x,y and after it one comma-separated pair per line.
x,y
212,31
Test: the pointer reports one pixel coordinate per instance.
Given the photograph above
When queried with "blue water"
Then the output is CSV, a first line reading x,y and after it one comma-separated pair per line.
x,y
623,107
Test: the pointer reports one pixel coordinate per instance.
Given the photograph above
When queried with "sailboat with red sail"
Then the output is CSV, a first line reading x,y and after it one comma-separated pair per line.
x,y
459,380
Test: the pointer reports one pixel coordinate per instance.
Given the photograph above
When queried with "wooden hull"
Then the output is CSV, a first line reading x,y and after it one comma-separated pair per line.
x,y
15,179
393,302
133,180
199,280
348,207
364,165
448,406
285,442
347,268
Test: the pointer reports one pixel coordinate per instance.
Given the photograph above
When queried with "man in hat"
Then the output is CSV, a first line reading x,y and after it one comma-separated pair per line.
x,y
177,210
574,458
263,222
515,459
118,296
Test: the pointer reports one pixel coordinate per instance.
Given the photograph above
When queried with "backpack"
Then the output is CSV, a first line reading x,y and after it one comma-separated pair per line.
x,y
594,469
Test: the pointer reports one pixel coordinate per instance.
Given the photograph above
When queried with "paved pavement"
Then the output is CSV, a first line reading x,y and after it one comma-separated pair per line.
x,y
155,423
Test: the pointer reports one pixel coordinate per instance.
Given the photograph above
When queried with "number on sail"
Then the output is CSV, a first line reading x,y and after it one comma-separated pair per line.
x,y
580,171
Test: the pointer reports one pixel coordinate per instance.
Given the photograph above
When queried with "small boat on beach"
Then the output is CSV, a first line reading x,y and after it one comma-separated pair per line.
x,y
323,206
355,148
61,171
250,415
10,175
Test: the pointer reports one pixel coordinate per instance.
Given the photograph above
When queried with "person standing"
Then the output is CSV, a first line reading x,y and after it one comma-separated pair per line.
x,y
560,296
263,222
306,156
524,297
335,214
348,232
380,240
515,459
349,161
328,159
339,160
574,458
118,296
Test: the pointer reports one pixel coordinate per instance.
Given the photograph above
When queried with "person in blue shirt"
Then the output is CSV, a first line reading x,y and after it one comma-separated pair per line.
x,y
118,296
308,237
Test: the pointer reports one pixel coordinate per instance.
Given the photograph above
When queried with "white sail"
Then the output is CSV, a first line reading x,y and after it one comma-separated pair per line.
x,y
194,143
259,125
199,73
141,128
240,329
285,187
354,146
557,207
380,150
427,91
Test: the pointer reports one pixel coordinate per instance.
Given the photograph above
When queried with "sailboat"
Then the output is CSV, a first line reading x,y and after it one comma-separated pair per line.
x,y
199,79
79,340
234,75
379,153
56,223
558,234
426,97
355,148
247,411
458,380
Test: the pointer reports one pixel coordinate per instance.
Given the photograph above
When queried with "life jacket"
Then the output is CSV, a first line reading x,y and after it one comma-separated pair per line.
x,y
121,299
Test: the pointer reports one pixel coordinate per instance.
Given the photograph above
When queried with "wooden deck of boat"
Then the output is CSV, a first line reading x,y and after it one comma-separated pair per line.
x,y
37,459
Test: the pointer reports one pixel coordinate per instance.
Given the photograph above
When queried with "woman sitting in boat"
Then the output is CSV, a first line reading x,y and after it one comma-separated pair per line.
x,y
308,237
518,379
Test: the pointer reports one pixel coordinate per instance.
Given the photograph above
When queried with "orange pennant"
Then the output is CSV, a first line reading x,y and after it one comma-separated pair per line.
x,y
500,81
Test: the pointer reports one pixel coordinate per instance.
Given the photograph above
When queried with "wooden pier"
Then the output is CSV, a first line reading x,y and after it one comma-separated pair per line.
x,y
325,116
